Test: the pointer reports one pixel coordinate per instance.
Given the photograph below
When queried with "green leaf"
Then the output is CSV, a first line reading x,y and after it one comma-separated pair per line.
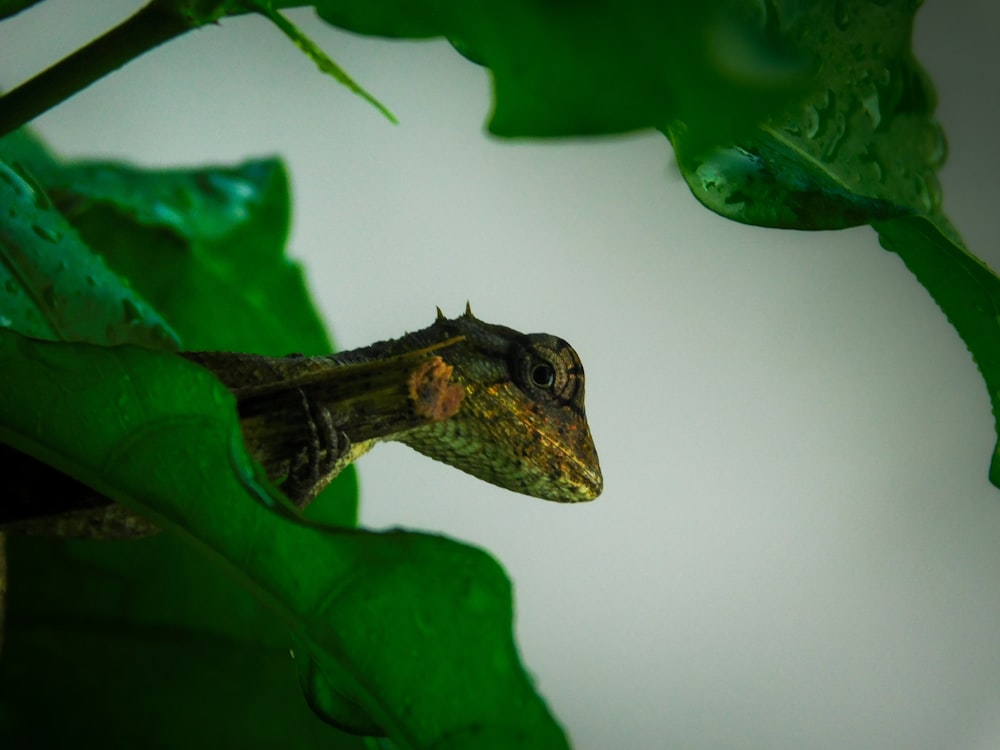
x,y
193,691
861,144
201,245
317,55
862,147
963,286
764,181
406,632
604,67
62,586
403,633
53,286
205,246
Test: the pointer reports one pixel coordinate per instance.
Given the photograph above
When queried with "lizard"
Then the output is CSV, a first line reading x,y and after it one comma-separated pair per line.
x,y
504,406
501,405
514,416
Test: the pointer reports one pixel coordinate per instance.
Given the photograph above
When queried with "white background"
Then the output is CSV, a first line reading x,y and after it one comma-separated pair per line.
x,y
797,546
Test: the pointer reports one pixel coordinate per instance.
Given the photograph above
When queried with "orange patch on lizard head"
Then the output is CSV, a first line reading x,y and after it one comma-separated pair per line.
x,y
433,394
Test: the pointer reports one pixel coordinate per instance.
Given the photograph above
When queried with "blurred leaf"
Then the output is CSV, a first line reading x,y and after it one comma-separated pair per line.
x,y
205,246
24,148
765,182
61,576
53,286
404,632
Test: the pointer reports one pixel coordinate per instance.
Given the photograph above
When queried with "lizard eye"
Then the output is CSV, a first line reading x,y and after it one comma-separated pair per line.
x,y
546,368
542,375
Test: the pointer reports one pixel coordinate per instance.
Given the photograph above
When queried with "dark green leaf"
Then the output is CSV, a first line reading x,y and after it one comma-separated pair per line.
x,y
205,246
765,182
406,632
61,576
861,144
23,148
196,690
862,147
53,286
605,67
965,288
397,632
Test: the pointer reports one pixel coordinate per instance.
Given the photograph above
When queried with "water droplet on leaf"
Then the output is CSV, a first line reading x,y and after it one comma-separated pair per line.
x,y
233,187
870,104
810,122
923,192
837,131
16,181
929,190
936,149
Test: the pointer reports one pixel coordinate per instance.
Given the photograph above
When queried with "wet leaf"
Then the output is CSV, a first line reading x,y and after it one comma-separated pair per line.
x,y
193,688
205,246
407,633
861,144
862,147
51,285
563,69
401,633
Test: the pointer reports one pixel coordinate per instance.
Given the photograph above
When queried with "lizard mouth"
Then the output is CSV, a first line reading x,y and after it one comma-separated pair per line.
x,y
581,482
573,474
592,483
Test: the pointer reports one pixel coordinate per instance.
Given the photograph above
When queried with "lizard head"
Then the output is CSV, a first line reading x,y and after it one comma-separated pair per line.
x,y
521,424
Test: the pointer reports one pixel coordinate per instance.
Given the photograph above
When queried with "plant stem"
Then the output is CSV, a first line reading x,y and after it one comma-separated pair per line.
x,y
147,29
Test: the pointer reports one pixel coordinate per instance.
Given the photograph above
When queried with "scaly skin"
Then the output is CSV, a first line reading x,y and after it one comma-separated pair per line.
x,y
503,406
517,419
521,424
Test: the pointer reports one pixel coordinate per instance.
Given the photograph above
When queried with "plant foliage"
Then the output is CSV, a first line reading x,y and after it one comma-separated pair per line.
x,y
784,114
